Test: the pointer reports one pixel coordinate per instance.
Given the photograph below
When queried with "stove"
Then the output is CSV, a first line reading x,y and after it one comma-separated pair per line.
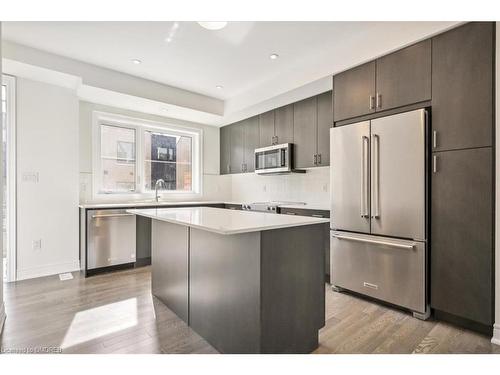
x,y
271,207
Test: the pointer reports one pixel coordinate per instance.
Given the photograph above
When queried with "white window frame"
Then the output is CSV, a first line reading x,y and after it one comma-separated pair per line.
x,y
141,126
11,194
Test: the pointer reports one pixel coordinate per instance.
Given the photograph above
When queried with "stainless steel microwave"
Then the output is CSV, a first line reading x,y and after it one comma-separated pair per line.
x,y
274,159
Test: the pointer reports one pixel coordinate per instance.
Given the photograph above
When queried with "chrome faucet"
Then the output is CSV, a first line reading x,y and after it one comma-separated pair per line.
x,y
157,184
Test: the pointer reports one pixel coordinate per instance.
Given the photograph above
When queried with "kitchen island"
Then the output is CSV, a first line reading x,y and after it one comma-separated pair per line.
x,y
247,282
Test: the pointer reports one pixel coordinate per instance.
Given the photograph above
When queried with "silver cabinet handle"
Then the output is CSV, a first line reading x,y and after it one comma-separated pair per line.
x,y
434,139
376,175
379,100
364,175
319,158
110,215
317,215
315,159
376,242
290,213
434,164
371,102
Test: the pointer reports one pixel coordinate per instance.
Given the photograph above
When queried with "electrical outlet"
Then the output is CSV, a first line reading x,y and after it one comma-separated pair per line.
x,y
37,245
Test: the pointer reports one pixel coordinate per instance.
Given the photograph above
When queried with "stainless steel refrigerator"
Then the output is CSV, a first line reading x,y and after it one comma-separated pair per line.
x,y
378,225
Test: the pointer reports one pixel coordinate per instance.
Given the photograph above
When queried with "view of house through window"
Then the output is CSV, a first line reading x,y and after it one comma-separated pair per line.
x,y
167,157
117,159
132,157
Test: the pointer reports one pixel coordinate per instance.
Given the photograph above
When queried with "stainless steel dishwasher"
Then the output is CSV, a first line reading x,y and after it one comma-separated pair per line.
x,y
111,238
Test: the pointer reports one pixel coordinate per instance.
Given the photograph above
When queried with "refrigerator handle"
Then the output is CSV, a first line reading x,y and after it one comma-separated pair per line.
x,y
409,246
364,175
376,175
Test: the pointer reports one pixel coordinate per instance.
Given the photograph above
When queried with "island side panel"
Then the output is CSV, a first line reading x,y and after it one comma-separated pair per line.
x,y
224,298
293,288
170,266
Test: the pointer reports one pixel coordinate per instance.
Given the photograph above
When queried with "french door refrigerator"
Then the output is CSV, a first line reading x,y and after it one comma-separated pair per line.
x,y
378,204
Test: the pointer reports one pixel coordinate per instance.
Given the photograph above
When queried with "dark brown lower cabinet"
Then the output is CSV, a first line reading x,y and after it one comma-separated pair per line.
x,y
461,276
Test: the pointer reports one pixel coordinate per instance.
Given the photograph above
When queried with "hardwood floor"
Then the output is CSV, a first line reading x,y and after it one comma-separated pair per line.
x,y
115,313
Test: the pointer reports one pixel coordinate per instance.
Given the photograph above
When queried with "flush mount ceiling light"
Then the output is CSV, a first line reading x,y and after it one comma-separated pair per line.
x,y
136,61
274,56
213,25
219,87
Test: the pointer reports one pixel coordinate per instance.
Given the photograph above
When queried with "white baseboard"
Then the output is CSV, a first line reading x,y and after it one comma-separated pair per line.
x,y
2,317
496,334
47,270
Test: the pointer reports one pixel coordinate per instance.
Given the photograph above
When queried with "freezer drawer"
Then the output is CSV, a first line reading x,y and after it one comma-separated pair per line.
x,y
384,268
111,238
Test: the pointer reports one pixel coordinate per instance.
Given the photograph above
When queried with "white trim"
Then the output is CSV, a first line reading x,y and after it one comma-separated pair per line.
x,y
3,316
47,270
496,335
11,193
141,126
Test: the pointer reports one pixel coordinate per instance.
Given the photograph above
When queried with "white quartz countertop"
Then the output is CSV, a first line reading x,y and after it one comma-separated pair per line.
x,y
146,204
224,221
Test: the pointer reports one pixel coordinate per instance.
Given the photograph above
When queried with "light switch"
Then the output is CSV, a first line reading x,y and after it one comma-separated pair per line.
x,y
31,177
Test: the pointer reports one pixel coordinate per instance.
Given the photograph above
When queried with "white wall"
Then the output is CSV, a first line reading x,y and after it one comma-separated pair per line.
x,y
313,187
215,187
47,150
2,308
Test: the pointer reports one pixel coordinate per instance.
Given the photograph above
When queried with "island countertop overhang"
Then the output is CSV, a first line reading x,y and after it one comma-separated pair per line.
x,y
223,221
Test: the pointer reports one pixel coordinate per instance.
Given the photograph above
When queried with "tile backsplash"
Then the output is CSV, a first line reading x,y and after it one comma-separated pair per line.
x,y
312,187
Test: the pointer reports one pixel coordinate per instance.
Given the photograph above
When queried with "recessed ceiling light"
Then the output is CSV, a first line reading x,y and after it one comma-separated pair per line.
x,y
219,87
136,61
211,25
274,56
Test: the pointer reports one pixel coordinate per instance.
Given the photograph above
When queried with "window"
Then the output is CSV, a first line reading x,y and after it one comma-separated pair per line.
x,y
132,155
117,159
167,157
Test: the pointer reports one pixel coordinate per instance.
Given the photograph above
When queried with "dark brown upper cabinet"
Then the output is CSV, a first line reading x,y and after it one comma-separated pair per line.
x,y
325,122
251,134
283,124
354,92
305,117
225,150
237,146
404,77
266,129
462,87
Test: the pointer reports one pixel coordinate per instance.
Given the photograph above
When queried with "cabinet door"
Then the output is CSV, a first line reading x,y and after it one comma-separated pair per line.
x,y
462,87
237,146
266,129
283,124
251,128
404,77
304,132
225,150
354,92
325,122
461,234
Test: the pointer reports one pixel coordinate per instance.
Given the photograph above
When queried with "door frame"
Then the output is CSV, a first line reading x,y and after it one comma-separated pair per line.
x,y
11,193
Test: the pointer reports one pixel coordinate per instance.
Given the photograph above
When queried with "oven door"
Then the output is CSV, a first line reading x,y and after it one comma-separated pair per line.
x,y
273,159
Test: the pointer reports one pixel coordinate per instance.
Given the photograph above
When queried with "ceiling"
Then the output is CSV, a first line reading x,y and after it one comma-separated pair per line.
x,y
236,57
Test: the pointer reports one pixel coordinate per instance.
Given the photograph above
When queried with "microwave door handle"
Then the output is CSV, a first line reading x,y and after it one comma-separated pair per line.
x,y
282,156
